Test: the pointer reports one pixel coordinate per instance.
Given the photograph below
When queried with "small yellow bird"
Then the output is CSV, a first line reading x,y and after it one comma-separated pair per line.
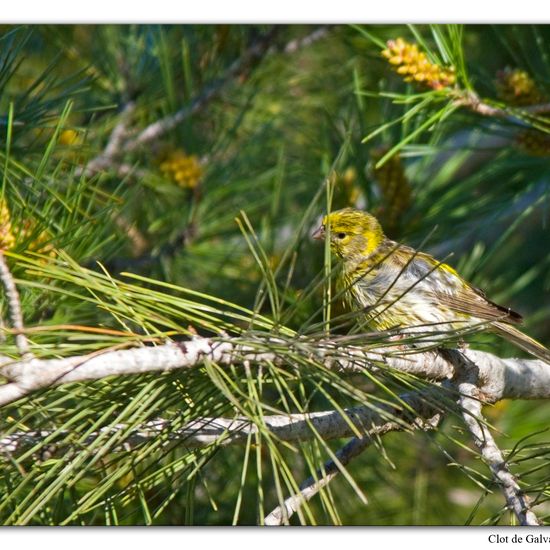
x,y
399,287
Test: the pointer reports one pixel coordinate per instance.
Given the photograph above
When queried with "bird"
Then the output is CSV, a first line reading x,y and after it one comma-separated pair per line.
x,y
398,287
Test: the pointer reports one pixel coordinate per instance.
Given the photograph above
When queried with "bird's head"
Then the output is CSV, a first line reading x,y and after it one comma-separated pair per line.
x,y
353,233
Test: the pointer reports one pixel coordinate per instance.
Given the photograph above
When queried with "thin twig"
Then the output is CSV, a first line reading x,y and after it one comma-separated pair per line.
x,y
242,65
14,306
474,103
114,146
138,241
119,133
470,401
539,109
251,56
305,41
120,142
313,484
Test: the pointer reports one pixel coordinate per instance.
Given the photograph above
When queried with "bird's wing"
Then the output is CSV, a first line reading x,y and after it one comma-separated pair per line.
x,y
470,300
444,286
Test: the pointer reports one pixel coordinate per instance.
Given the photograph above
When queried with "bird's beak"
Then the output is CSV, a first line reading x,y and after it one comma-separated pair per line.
x,y
319,233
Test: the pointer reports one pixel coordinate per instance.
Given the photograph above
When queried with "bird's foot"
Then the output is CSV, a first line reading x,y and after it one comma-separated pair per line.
x,y
403,346
463,345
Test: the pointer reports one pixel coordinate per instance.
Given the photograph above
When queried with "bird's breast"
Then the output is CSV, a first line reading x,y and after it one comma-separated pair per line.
x,y
392,297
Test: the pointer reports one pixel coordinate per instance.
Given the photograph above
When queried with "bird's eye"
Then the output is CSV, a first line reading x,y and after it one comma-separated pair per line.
x,y
340,235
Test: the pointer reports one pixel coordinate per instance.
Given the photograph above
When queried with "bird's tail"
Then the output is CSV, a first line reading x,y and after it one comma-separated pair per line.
x,y
530,345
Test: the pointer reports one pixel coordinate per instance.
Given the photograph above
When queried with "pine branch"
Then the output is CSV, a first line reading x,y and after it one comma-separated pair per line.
x,y
467,381
539,109
14,305
251,56
499,378
106,159
121,141
313,484
305,41
294,427
495,379
473,102
203,432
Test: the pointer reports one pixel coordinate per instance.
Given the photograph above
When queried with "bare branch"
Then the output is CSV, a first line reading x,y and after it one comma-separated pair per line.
x,y
251,56
539,109
119,141
119,133
499,378
473,102
305,41
313,484
242,65
471,403
495,379
114,146
2,330
14,306
202,432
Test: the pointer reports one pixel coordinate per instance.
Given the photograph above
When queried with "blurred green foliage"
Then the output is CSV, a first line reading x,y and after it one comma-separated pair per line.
x,y
319,109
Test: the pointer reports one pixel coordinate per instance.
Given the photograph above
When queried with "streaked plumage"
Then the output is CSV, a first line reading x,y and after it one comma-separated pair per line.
x,y
397,286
